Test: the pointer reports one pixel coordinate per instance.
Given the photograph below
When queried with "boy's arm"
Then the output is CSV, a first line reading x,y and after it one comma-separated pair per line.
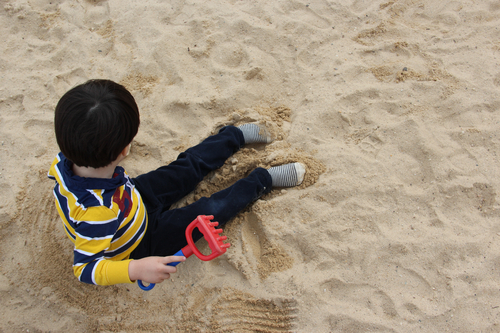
x,y
96,269
103,272
90,264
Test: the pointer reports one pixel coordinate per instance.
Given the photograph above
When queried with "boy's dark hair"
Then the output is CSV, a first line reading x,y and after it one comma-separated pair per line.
x,y
95,121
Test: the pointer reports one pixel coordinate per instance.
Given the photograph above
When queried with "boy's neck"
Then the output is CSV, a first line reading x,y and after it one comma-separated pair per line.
x,y
89,172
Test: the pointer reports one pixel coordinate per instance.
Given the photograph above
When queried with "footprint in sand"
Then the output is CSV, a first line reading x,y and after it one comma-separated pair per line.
x,y
229,54
256,257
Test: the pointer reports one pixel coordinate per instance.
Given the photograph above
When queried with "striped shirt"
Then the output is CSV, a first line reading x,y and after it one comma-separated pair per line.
x,y
104,218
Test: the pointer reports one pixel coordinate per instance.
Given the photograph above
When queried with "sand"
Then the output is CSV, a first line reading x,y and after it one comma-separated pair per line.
x,y
393,106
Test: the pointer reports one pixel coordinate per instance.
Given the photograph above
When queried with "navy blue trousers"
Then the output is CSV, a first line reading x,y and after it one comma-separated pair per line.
x,y
168,184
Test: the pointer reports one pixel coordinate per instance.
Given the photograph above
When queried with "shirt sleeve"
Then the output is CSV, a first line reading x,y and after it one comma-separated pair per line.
x,y
93,239
104,272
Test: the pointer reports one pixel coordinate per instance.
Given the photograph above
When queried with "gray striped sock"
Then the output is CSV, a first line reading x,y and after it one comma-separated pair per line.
x,y
287,175
253,133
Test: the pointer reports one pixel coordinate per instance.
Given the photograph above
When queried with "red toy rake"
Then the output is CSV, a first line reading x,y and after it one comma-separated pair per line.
x,y
212,236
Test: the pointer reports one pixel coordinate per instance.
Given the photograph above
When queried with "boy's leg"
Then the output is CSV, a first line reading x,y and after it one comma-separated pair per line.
x,y
169,183
169,235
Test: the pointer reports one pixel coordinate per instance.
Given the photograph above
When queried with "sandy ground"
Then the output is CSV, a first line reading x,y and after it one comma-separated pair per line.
x,y
393,106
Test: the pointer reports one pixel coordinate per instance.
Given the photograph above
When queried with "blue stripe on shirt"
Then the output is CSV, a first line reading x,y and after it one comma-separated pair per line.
x,y
129,243
87,273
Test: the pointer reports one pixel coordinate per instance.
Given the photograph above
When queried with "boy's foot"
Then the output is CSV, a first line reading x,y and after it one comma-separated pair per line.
x,y
253,133
287,175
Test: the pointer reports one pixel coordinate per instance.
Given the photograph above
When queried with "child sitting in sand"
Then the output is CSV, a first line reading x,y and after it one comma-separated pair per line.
x,y
122,227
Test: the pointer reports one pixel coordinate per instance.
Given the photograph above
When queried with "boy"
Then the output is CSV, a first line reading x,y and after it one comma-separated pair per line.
x,y
121,227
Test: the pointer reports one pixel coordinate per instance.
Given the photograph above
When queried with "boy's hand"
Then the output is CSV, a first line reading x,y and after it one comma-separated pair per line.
x,y
153,269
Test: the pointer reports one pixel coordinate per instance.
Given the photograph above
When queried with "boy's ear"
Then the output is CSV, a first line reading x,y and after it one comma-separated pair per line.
x,y
126,150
